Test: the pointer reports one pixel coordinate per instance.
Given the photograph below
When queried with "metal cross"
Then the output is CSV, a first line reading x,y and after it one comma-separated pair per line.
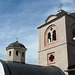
x,y
16,39
61,6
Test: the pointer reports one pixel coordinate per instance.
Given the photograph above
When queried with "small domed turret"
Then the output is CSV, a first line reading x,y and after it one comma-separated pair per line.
x,y
16,52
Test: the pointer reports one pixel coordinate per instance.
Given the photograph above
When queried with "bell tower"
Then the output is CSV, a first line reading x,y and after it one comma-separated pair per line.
x,y
57,41
16,52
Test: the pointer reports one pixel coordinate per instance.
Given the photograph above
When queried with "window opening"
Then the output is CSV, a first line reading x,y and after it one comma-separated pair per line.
x,y
49,37
51,28
9,53
51,58
17,53
73,34
54,35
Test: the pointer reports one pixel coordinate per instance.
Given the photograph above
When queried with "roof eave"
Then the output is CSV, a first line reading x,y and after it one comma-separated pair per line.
x,y
54,20
7,48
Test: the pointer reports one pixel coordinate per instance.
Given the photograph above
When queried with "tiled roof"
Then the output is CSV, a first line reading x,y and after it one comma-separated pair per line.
x,y
12,68
15,44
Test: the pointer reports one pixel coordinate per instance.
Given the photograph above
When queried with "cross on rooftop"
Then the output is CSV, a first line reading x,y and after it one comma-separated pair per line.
x,y
17,39
61,6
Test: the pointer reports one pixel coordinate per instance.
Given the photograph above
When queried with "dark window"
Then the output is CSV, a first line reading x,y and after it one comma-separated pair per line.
x,y
9,53
22,54
73,34
51,28
49,37
51,58
54,35
17,53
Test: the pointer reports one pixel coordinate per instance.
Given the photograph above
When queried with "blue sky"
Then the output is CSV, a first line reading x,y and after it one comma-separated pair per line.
x,y
20,18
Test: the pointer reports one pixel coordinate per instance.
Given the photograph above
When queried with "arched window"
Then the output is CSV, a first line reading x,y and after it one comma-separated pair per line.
x,y
54,35
50,35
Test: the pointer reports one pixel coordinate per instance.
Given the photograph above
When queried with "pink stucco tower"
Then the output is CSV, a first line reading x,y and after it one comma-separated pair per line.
x,y
57,42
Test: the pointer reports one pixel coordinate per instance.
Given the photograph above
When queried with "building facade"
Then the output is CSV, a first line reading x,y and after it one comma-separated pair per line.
x,y
57,41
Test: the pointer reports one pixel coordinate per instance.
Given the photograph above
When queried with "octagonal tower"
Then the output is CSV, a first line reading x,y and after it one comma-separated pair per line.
x,y
16,52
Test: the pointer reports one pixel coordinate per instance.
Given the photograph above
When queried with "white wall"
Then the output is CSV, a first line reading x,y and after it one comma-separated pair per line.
x,y
1,69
